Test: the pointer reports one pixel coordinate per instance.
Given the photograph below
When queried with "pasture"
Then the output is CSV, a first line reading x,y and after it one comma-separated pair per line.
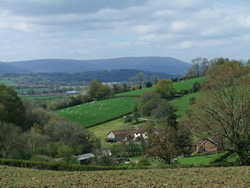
x,y
205,159
180,177
182,85
187,84
98,111
134,92
182,103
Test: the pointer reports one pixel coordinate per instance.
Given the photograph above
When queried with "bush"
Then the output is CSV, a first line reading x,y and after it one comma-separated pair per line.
x,y
184,91
128,119
143,162
136,87
196,87
56,166
41,158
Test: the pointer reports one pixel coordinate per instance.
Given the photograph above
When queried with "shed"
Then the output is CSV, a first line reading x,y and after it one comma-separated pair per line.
x,y
85,159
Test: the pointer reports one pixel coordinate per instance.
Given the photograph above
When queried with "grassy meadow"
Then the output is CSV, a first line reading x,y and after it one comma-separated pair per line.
x,y
183,104
98,111
134,92
182,85
180,177
205,159
187,84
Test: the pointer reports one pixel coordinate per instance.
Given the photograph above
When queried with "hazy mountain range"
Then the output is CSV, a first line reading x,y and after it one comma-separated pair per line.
x,y
151,64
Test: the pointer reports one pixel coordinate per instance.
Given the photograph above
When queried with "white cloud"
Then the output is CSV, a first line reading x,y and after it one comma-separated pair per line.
x,y
183,45
101,29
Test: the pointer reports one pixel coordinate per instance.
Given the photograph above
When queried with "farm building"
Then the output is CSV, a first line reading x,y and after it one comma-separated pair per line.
x,y
207,145
85,158
124,134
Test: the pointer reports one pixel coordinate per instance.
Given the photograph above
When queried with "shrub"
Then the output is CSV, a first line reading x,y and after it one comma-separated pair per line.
x,y
192,100
128,119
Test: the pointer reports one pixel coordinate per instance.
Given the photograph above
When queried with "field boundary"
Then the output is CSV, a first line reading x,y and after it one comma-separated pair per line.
x,y
108,120
76,167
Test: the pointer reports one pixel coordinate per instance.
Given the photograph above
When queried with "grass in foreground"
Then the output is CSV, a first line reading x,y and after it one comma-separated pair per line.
x,y
190,177
95,112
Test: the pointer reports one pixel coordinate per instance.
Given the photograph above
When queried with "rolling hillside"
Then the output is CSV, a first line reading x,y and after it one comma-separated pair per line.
x,y
152,64
96,112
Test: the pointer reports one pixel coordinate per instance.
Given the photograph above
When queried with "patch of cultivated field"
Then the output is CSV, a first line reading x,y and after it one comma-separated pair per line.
x,y
99,111
183,177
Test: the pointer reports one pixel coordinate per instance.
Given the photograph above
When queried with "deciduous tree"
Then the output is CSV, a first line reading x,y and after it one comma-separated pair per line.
x,y
165,88
224,107
9,138
167,141
11,106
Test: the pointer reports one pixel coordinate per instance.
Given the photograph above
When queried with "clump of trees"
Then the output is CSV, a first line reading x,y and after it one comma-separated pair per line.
x,y
201,65
223,109
98,91
166,138
28,131
11,107
165,88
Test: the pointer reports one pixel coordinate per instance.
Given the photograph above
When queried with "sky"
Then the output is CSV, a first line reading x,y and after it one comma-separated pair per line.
x,y
100,29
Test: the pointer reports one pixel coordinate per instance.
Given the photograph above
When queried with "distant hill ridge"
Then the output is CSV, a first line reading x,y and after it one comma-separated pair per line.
x,y
151,64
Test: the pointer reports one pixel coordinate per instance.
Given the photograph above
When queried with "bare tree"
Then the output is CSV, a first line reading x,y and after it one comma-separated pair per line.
x,y
155,78
139,79
200,66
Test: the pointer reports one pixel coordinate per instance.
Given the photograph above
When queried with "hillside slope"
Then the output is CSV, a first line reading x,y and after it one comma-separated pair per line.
x,y
7,68
152,64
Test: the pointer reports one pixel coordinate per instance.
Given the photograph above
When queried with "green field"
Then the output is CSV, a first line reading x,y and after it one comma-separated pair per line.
x,y
198,159
7,82
91,113
180,177
135,92
187,84
182,85
33,90
95,112
182,103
